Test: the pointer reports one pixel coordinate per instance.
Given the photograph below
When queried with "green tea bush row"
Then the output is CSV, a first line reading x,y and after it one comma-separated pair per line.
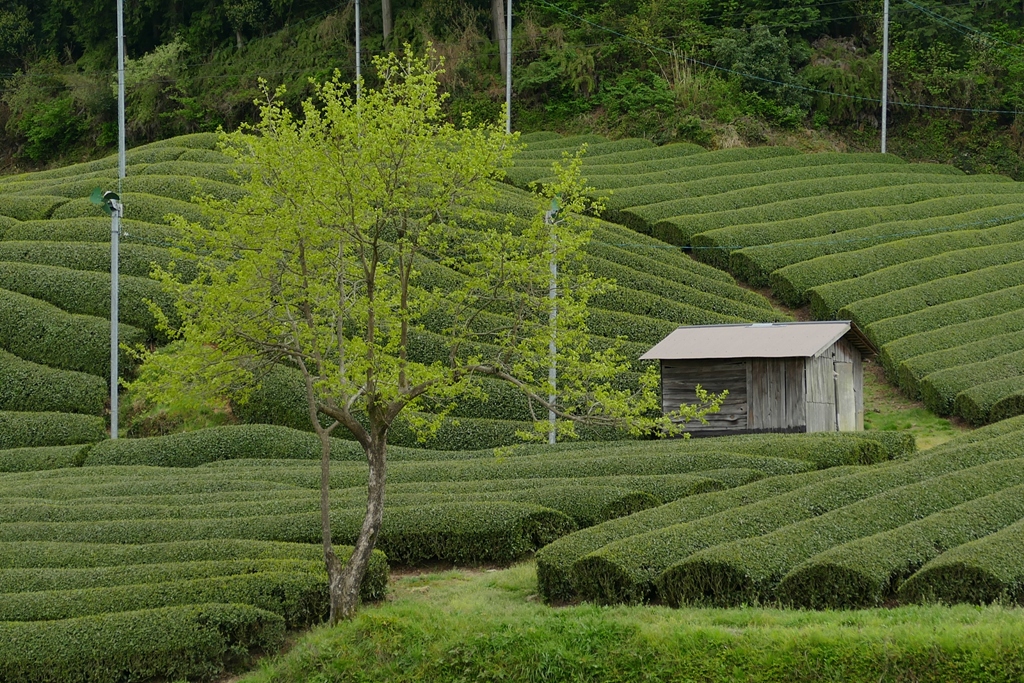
x,y
761,247
749,570
568,142
177,187
27,430
952,313
643,217
29,386
626,570
829,298
233,173
40,458
940,388
139,155
173,643
539,136
970,285
991,401
204,156
680,229
70,556
688,166
792,282
451,532
636,328
42,333
30,207
728,165
595,150
135,259
756,264
188,142
96,229
300,598
88,293
554,561
983,571
934,341
651,194
866,572
912,370
138,206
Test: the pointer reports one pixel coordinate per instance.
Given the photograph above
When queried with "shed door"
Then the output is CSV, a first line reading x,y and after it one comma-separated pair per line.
x,y
846,399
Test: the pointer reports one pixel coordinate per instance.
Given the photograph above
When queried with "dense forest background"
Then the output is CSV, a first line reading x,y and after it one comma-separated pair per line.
x,y
716,72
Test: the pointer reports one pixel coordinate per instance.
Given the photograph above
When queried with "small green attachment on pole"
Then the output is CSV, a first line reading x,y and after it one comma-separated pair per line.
x,y
103,200
552,213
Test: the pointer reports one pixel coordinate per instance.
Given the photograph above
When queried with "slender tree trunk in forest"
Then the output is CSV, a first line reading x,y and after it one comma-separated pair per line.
x,y
239,41
385,10
498,19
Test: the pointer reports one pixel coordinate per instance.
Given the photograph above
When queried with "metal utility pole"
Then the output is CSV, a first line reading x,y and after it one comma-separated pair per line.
x,y
885,70
508,68
549,218
358,71
117,211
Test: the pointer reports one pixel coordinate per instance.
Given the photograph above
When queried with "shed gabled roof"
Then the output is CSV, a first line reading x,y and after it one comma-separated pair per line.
x,y
755,340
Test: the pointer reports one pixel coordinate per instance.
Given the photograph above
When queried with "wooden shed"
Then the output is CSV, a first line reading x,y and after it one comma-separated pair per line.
x,y
781,377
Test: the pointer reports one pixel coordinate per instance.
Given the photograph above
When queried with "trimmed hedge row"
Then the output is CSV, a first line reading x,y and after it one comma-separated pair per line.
x,y
138,206
942,315
95,229
29,386
27,430
88,293
172,643
939,389
911,371
991,401
755,264
983,571
829,298
935,293
221,171
865,572
604,179
792,282
177,187
899,350
452,532
40,458
300,598
42,333
68,556
140,155
627,570
595,150
30,207
663,192
643,217
523,174
554,561
749,570
135,259
680,229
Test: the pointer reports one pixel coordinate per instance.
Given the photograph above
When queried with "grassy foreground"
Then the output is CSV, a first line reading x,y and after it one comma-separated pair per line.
x,y
489,626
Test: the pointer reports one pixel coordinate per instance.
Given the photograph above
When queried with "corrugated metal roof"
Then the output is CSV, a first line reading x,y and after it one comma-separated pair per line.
x,y
750,340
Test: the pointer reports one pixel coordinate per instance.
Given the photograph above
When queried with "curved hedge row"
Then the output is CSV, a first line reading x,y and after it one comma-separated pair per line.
x,y
755,264
627,570
88,293
95,229
554,561
177,187
172,643
25,430
939,389
138,206
912,370
680,229
42,333
750,570
929,273
952,313
865,572
982,571
792,283
68,556
135,259
230,173
595,150
41,458
28,385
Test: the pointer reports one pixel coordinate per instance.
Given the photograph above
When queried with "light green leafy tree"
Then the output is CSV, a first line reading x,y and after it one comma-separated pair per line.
x,y
361,232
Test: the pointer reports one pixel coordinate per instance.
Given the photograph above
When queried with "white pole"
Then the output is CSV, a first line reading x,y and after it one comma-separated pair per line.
x,y
358,69
549,218
115,223
885,70
508,68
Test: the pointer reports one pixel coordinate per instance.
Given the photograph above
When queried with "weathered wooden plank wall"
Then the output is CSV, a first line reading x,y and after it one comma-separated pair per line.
x,y
679,379
776,394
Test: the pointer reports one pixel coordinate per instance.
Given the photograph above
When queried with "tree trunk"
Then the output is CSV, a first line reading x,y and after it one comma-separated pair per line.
x,y
385,10
344,582
239,41
498,19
